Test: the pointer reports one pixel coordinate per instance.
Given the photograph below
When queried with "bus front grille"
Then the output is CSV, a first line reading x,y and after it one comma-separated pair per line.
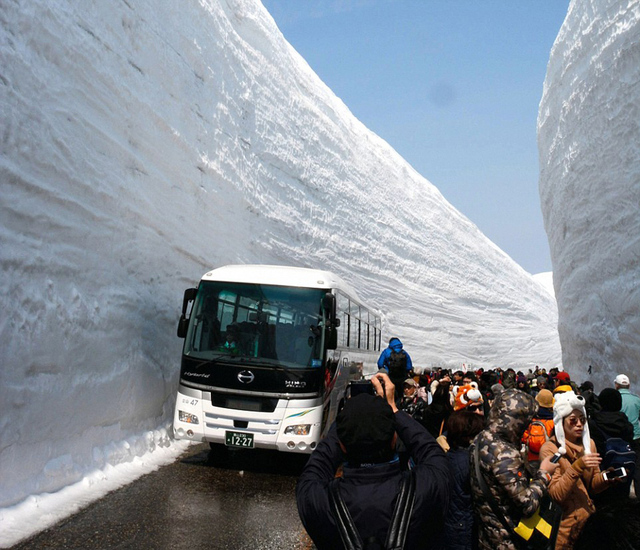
x,y
244,402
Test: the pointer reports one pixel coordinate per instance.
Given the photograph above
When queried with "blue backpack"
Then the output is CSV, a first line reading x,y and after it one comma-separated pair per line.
x,y
617,453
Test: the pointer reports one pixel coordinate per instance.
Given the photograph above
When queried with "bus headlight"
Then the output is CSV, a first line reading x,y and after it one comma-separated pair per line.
x,y
188,417
298,429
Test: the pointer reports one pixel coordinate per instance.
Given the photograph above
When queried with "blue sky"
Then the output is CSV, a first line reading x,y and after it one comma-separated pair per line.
x,y
453,86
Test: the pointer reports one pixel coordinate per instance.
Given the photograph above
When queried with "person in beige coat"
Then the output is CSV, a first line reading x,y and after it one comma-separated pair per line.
x,y
578,475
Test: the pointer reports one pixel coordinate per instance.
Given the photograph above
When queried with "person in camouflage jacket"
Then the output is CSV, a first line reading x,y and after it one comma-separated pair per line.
x,y
504,470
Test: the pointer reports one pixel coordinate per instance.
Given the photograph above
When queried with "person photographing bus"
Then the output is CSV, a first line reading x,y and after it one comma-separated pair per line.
x,y
363,440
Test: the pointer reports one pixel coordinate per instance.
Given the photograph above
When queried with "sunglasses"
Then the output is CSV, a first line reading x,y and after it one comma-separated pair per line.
x,y
574,420
474,407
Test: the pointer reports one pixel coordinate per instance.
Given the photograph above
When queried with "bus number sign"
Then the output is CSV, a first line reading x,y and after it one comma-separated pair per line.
x,y
239,439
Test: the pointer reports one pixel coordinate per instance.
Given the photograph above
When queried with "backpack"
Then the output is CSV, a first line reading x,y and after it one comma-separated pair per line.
x,y
398,526
617,453
398,364
535,436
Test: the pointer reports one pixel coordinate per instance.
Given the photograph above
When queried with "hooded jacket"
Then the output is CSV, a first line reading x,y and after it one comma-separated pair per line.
x,y
503,468
394,345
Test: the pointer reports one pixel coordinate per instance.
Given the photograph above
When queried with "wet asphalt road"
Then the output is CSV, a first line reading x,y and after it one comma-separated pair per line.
x,y
230,500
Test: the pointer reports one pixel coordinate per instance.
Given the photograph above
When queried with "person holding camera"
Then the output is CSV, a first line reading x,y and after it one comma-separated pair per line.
x,y
363,440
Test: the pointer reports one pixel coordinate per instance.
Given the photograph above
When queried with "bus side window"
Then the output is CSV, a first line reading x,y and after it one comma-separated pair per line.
x,y
354,326
342,307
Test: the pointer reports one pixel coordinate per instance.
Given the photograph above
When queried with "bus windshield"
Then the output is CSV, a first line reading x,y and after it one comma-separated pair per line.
x,y
271,324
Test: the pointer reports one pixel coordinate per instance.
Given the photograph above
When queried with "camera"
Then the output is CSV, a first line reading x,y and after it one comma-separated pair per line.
x,y
356,387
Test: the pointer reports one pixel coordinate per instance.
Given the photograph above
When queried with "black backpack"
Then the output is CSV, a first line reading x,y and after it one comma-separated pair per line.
x,y
398,364
398,526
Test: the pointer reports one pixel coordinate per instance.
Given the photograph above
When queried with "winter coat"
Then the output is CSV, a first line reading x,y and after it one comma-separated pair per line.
x,y
603,425
459,525
370,492
613,424
571,489
631,408
504,470
591,405
414,406
434,417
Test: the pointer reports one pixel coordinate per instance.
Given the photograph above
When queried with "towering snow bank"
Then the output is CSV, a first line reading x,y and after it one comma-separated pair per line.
x,y
546,280
144,143
589,142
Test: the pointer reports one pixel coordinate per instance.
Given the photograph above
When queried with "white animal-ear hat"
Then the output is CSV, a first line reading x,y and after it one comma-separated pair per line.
x,y
562,407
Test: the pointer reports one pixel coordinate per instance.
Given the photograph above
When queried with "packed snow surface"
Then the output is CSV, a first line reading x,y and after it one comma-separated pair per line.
x,y
546,280
589,143
144,143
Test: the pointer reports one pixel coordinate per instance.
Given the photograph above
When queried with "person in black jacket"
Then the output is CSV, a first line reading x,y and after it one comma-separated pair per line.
x,y
365,434
460,529
435,415
610,421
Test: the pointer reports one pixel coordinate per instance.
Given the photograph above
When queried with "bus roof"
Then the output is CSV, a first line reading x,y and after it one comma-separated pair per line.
x,y
280,276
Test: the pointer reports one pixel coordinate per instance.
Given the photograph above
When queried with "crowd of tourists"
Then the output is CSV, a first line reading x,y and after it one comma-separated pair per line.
x,y
466,459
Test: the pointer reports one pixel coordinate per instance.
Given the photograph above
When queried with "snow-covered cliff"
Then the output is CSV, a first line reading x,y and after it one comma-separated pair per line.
x,y
143,143
589,143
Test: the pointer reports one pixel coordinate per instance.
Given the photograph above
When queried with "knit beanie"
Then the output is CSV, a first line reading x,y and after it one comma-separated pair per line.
x,y
365,427
563,406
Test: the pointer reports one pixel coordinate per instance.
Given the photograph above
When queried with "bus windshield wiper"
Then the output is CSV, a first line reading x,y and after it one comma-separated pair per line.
x,y
220,358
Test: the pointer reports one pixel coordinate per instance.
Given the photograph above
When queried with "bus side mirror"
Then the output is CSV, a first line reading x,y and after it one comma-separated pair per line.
x,y
183,323
329,305
331,338
331,334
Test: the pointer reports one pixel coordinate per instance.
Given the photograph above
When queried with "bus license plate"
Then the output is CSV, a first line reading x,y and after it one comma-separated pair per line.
x,y
239,439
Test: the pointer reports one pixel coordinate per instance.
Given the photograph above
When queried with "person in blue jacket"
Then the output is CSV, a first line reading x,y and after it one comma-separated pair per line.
x,y
397,364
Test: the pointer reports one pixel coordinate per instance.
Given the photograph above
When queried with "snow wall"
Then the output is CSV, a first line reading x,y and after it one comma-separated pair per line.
x,y
589,143
144,143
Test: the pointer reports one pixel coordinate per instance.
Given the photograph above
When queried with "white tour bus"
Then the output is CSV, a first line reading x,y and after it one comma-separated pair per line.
x,y
268,355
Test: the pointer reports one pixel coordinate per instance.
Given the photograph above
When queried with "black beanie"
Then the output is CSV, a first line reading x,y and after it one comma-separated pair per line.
x,y
610,400
365,427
